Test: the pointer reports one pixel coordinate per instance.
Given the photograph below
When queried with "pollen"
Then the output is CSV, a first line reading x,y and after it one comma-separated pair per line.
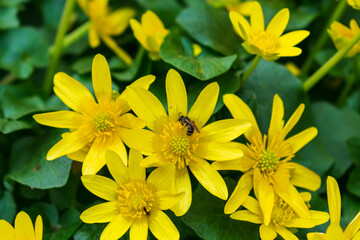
x,y
282,212
104,122
135,199
268,160
266,42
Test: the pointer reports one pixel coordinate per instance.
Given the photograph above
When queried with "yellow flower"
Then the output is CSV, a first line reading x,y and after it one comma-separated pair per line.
x,y
282,217
293,68
334,231
23,229
94,126
266,162
180,139
268,43
105,24
150,33
341,36
133,201
354,4
242,7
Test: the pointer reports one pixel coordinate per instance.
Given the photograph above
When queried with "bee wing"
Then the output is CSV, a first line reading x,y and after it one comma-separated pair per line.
x,y
194,125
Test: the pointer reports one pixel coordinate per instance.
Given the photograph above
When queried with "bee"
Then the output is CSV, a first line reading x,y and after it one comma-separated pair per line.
x,y
187,122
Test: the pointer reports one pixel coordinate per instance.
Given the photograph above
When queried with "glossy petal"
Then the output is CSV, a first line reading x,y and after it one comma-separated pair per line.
x,y
135,171
204,105
163,177
117,146
334,200
353,227
304,178
292,38
101,79
252,205
176,95
168,200
293,120
139,229
289,52
7,230
117,21
116,228
23,227
317,218
95,159
279,22
151,22
116,167
182,184
245,215
284,233
142,140
59,119
257,18
240,193
243,164
265,194
267,232
219,151
94,39
128,120
236,20
100,213
38,228
277,122
334,232
316,236
301,139
102,187
154,160
161,226
139,33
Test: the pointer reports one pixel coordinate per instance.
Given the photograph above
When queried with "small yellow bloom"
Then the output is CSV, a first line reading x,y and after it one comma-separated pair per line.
x,y
341,36
239,6
150,33
196,49
266,162
282,217
94,126
106,24
179,139
334,231
133,201
268,43
23,229
293,68
355,4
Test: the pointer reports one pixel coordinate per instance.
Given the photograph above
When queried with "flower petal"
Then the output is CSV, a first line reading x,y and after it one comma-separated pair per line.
x,y
116,145
316,236
293,120
277,122
284,233
304,178
264,192
257,18
94,39
59,119
289,51
168,200
73,93
224,130
102,187
95,159
236,20
204,105
147,107
141,139
317,218
117,21
116,228
23,227
7,231
112,44
245,215
139,229
116,167
161,226
176,95
252,205
151,22
182,184
162,177
128,120
267,232
334,232
279,22
219,151
139,32
334,200
209,178
301,139
38,228
292,38
353,227
243,164
101,79
154,160
100,213
135,171
240,193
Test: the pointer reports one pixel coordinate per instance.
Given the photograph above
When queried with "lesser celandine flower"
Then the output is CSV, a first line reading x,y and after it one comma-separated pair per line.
x,y
342,35
133,201
266,161
94,126
269,44
23,228
150,33
282,217
179,139
334,231
354,4
242,7
106,24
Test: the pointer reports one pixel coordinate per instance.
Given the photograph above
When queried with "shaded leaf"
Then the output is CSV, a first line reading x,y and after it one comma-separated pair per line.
x,y
8,18
7,206
9,126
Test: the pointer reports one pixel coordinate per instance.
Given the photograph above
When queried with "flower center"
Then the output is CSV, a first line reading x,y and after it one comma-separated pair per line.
x,y
135,199
268,160
178,145
282,212
104,122
266,42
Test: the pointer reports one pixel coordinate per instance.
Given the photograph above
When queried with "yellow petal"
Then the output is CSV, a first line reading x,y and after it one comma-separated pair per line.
x,y
304,178
243,164
135,171
236,20
293,120
289,52
116,228
240,110
94,39
101,79
292,38
316,236
147,107
7,231
353,227
265,196
176,95
357,236
209,178
317,218
301,139
77,156
277,122
73,93
70,143
83,5
102,187
23,227
168,200
128,120
245,215
117,49
162,178
224,130
204,105
284,233
139,33
116,145
100,213
116,167
334,232
240,193
267,232
161,226
117,21
38,228
219,151
257,18
252,205
142,140
144,82
334,200
154,160
97,8
139,229
279,22
151,23
59,119
182,184
95,159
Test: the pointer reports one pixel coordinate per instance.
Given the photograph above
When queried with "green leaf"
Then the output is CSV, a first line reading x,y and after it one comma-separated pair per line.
x,y
69,223
210,27
350,208
9,126
206,217
89,231
12,3
22,50
83,65
7,207
353,183
8,18
177,50
29,166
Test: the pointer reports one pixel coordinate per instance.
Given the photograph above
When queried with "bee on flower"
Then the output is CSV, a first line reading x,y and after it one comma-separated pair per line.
x,y
95,126
23,228
266,162
170,145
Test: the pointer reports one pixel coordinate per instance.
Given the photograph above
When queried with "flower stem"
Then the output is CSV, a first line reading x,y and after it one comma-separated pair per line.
x,y
338,12
250,69
330,63
349,84
58,45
